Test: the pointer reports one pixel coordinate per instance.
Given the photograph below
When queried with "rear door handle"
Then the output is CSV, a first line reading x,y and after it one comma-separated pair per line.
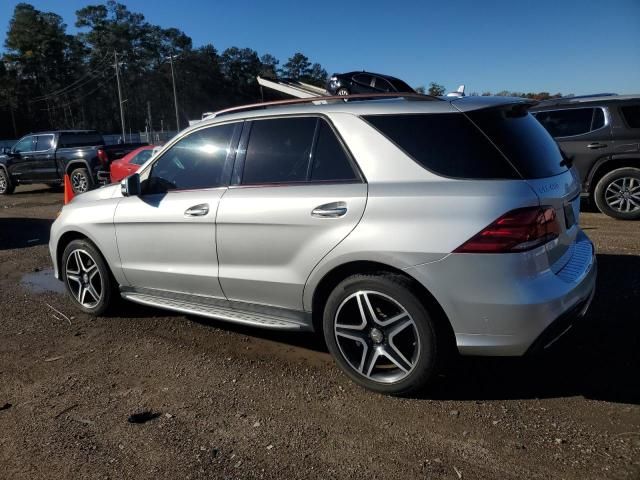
x,y
197,210
596,145
330,210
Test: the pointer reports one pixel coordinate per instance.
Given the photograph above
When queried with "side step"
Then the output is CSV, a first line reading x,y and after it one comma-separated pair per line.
x,y
214,309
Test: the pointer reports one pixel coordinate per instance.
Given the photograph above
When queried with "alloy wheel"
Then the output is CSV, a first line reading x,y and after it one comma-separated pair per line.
x,y
623,194
83,278
377,336
3,183
79,182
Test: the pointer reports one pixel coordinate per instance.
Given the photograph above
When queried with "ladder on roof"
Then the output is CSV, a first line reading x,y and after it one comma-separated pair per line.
x,y
293,87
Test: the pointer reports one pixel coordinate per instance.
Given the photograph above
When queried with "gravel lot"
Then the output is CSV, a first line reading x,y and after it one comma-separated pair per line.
x,y
241,403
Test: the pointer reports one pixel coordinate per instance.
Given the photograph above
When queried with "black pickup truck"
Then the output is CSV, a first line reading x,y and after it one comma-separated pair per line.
x,y
45,157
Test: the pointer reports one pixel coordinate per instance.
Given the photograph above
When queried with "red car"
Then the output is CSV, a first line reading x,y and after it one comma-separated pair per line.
x,y
130,163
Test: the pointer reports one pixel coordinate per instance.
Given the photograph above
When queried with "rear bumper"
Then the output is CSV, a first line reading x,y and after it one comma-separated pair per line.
x,y
505,305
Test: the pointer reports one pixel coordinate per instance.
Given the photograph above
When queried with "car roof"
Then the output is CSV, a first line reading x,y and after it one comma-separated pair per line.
x,y
585,100
388,77
50,132
409,104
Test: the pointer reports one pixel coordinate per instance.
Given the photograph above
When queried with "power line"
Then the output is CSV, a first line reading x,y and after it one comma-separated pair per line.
x,y
76,99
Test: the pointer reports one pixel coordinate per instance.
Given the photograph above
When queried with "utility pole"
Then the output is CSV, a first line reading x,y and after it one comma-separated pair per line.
x,y
175,95
124,133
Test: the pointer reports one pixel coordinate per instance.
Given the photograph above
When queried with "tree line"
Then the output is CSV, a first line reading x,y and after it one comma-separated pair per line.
x,y
50,79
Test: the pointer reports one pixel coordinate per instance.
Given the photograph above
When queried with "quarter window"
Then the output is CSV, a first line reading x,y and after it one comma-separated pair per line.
x,y
631,115
197,161
447,144
574,121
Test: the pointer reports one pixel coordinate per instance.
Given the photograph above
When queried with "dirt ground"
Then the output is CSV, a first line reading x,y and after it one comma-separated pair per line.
x,y
242,403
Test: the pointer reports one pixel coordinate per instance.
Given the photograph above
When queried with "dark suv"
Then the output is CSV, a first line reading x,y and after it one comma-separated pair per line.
x,y
601,136
365,82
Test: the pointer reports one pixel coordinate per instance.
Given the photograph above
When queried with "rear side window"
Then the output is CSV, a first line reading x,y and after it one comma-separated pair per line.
x,y
80,139
194,162
330,161
527,145
447,144
43,142
573,121
631,115
295,150
279,150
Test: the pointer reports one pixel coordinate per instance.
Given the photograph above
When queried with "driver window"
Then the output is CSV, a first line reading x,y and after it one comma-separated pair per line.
x,y
24,145
195,162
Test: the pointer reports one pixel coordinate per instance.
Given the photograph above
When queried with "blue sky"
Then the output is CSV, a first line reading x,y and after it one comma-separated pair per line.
x,y
557,46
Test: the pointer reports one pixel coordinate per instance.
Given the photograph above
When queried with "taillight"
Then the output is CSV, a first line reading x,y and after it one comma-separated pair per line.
x,y
515,231
102,156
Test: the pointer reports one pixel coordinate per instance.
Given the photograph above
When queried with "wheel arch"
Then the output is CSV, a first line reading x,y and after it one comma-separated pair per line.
x,y
606,165
75,163
69,236
337,274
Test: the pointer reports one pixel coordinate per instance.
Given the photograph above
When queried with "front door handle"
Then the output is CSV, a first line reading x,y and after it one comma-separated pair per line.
x,y
330,210
197,210
596,145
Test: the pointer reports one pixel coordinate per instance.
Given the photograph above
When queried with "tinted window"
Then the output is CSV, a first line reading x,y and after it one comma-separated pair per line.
x,y
522,140
196,161
400,86
330,161
598,119
44,142
24,145
80,139
445,143
565,123
382,84
141,157
631,115
279,150
363,78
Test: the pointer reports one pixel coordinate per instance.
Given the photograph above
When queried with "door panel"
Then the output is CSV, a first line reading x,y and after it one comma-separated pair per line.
x,y
269,241
163,247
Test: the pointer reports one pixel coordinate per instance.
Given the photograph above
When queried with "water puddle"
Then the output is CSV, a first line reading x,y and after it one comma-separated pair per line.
x,y
42,282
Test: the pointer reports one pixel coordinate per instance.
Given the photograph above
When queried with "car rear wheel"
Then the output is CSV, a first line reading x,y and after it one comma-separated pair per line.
x,y
380,333
80,180
86,277
6,187
617,194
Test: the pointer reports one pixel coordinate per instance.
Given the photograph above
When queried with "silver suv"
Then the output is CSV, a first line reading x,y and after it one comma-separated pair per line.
x,y
397,227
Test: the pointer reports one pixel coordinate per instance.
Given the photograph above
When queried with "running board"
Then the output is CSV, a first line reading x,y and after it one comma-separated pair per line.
x,y
268,317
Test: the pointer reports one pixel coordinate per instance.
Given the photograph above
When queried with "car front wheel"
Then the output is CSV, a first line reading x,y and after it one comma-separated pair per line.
x,y
86,277
380,333
617,194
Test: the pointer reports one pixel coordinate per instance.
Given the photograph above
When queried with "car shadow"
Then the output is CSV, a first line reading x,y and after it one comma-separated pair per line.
x,y
598,358
23,232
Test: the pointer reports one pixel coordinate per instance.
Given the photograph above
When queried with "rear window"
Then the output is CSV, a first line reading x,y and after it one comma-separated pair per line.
x,y
79,139
631,115
447,144
522,139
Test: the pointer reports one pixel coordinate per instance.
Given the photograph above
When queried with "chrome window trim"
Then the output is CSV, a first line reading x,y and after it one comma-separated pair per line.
x,y
605,110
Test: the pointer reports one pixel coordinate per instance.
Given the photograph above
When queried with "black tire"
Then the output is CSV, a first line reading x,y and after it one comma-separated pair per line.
x,y
401,291
68,267
80,180
342,91
6,186
617,191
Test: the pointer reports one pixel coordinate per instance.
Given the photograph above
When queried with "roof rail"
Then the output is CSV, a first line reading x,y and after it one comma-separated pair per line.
x,y
323,100
576,98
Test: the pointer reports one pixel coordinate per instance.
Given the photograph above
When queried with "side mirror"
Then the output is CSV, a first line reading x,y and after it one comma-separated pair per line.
x,y
130,186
